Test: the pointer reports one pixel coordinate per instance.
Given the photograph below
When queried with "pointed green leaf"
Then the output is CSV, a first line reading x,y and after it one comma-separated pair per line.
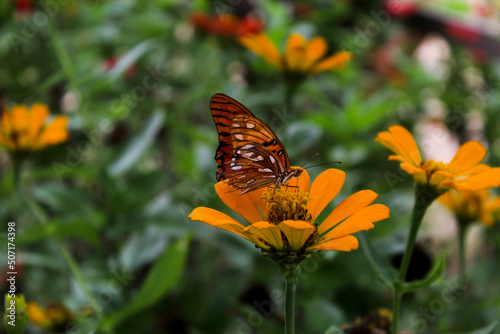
x,y
436,273
138,146
385,272
163,276
128,59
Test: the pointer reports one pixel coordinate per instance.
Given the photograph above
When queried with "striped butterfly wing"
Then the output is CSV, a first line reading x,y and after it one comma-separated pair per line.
x,y
259,158
224,109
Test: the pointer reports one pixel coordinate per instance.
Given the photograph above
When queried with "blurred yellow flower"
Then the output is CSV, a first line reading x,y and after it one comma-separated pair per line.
x,y
283,221
462,173
54,316
469,206
300,57
25,130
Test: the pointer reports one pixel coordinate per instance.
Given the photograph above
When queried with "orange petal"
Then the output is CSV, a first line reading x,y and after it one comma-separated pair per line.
x,y
400,141
54,133
473,170
315,49
324,189
295,52
489,178
493,205
268,232
345,244
296,232
448,200
347,207
246,205
261,45
468,155
360,221
19,118
38,113
217,219
335,62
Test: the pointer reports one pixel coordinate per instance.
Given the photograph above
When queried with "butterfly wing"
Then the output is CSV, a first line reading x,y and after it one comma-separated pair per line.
x,y
252,168
259,158
249,130
224,109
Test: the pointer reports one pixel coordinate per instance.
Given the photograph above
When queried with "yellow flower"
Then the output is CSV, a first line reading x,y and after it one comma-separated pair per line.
x,y
471,206
54,316
25,130
462,173
284,221
300,57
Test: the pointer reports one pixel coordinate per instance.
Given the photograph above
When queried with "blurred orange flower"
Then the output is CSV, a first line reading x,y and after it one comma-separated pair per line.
x,y
54,316
283,222
462,173
227,24
472,206
300,57
25,130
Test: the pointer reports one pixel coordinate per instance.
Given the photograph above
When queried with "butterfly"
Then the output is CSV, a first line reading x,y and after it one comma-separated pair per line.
x,y
250,156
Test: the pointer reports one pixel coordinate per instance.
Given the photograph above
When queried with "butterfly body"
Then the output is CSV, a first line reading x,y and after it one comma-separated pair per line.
x,y
258,158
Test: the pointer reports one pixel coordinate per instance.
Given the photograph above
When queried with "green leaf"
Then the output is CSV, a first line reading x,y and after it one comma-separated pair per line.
x,y
163,276
485,330
436,273
128,59
385,272
138,146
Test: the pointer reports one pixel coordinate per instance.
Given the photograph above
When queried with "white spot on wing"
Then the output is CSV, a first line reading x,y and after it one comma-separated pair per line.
x,y
272,159
265,170
239,136
250,125
236,167
247,147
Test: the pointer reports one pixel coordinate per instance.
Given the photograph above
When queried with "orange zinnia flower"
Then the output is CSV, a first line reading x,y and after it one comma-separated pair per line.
x,y
463,172
283,222
227,24
300,57
472,206
25,130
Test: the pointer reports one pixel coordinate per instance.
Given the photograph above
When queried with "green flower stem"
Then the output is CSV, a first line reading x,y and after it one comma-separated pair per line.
x,y
424,196
396,306
462,229
40,214
290,273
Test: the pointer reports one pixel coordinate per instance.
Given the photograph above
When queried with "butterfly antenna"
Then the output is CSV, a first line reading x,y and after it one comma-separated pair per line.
x,y
328,163
314,156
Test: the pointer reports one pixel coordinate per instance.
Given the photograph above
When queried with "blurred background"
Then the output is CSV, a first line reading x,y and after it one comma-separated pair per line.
x,y
135,79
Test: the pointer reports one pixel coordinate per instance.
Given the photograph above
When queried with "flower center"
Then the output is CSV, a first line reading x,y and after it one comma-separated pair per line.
x,y
284,205
431,166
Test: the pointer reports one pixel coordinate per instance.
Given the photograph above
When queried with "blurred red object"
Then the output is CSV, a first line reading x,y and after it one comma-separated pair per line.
x,y
400,8
110,63
227,24
462,31
24,5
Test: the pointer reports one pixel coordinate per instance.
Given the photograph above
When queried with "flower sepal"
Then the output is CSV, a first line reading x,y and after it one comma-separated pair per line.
x,y
285,258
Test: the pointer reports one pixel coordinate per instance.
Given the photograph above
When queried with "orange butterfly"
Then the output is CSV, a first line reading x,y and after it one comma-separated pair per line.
x,y
250,156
